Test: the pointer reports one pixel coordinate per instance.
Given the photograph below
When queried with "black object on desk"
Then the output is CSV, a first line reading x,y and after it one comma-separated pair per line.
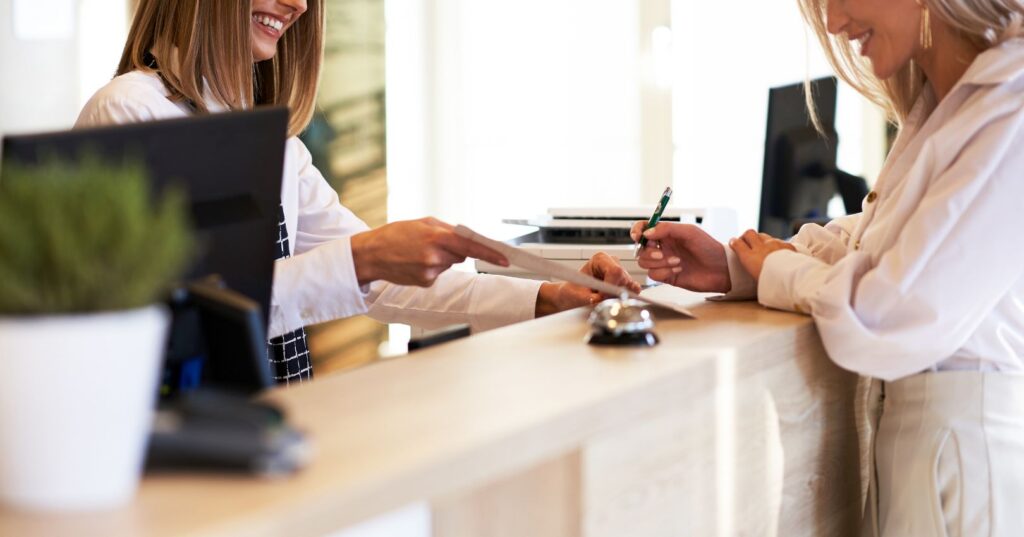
x,y
441,336
213,430
216,358
217,340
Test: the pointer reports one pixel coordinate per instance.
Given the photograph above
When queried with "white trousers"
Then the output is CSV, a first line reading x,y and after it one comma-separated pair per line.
x,y
949,457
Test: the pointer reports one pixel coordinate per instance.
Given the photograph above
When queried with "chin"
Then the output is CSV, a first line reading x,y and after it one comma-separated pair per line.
x,y
889,65
262,48
883,71
262,54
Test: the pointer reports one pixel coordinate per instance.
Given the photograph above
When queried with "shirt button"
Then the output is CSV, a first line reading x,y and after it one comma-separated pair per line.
x,y
872,196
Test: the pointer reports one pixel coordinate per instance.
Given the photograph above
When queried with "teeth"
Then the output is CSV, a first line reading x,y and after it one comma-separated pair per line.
x,y
268,22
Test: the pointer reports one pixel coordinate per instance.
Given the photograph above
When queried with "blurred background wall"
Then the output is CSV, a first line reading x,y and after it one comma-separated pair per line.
x,y
53,55
348,141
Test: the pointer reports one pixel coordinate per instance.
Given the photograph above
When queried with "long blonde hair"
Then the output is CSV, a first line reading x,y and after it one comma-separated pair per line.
x,y
213,44
985,23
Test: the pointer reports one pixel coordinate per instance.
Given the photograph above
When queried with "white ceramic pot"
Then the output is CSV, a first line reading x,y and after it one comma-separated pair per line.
x,y
76,402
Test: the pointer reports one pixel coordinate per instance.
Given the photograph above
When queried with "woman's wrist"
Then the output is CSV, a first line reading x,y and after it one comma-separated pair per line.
x,y
546,299
362,260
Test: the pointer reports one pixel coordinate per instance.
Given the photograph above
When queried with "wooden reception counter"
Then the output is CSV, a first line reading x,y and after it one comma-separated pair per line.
x,y
736,424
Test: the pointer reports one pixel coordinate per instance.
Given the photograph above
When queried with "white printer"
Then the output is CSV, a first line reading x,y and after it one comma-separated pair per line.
x,y
572,235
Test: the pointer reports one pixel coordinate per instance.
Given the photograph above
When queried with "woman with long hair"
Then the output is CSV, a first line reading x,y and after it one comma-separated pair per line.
x,y
187,57
923,291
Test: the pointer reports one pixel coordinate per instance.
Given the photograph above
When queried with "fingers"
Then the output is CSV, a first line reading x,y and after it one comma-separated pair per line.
x,y
430,265
662,231
619,277
750,249
764,243
740,246
747,244
752,238
682,238
464,247
434,222
429,276
608,269
573,296
443,235
657,259
777,244
666,275
678,232
581,296
637,229
415,252
651,258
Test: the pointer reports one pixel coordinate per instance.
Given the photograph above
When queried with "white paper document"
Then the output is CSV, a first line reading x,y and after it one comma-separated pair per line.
x,y
522,258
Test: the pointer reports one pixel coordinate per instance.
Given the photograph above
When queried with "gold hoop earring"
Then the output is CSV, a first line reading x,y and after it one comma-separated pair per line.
x,y
926,26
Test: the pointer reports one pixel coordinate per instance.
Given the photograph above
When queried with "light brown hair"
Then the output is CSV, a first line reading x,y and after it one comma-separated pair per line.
x,y
985,23
212,43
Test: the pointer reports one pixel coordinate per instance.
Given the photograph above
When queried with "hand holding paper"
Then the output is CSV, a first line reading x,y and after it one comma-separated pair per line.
x,y
413,252
524,259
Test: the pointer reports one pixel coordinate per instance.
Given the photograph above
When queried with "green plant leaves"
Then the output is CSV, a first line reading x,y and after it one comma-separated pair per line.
x,y
87,236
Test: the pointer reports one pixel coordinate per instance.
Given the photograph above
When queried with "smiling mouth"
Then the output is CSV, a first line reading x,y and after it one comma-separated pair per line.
x,y
269,24
863,40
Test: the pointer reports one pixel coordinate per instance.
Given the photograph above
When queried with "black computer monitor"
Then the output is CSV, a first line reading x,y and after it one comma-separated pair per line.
x,y
800,174
230,166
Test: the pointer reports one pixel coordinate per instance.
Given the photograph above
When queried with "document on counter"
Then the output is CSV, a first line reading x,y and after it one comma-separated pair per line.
x,y
522,258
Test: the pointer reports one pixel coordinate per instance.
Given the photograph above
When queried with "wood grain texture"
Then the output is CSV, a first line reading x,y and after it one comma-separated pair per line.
x,y
543,501
764,444
735,424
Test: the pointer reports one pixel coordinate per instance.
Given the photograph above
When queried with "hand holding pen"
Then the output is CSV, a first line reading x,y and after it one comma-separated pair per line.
x,y
684,256
658,211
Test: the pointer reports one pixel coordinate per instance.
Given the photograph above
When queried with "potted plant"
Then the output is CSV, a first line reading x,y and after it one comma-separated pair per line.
x,y
87,254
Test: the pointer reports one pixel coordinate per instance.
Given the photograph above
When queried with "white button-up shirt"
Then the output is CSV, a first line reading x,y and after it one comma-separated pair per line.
x,y
318,283
930,275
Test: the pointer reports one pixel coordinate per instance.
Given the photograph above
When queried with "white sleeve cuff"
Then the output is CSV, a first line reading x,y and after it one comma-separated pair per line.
x,y
483,301
743,285
789,280
317,286
498,301
801,248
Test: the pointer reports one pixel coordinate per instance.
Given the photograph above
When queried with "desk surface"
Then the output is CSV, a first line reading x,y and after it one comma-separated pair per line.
x,y
446,419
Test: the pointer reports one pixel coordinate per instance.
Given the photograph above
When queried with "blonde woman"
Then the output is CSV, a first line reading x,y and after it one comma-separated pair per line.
x,y
188,57
924,289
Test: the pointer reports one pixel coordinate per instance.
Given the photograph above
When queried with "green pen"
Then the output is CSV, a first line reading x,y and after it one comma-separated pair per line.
x,y
665,196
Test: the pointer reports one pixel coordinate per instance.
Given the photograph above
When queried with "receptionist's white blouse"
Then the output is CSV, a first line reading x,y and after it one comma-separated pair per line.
x,y
319,283
930,276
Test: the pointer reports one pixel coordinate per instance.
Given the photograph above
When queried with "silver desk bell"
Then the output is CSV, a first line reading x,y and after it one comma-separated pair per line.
x,y
621,321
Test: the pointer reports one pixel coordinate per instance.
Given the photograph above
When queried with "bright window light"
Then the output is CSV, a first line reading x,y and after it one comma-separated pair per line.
x,y
103,29
661,48
44,19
